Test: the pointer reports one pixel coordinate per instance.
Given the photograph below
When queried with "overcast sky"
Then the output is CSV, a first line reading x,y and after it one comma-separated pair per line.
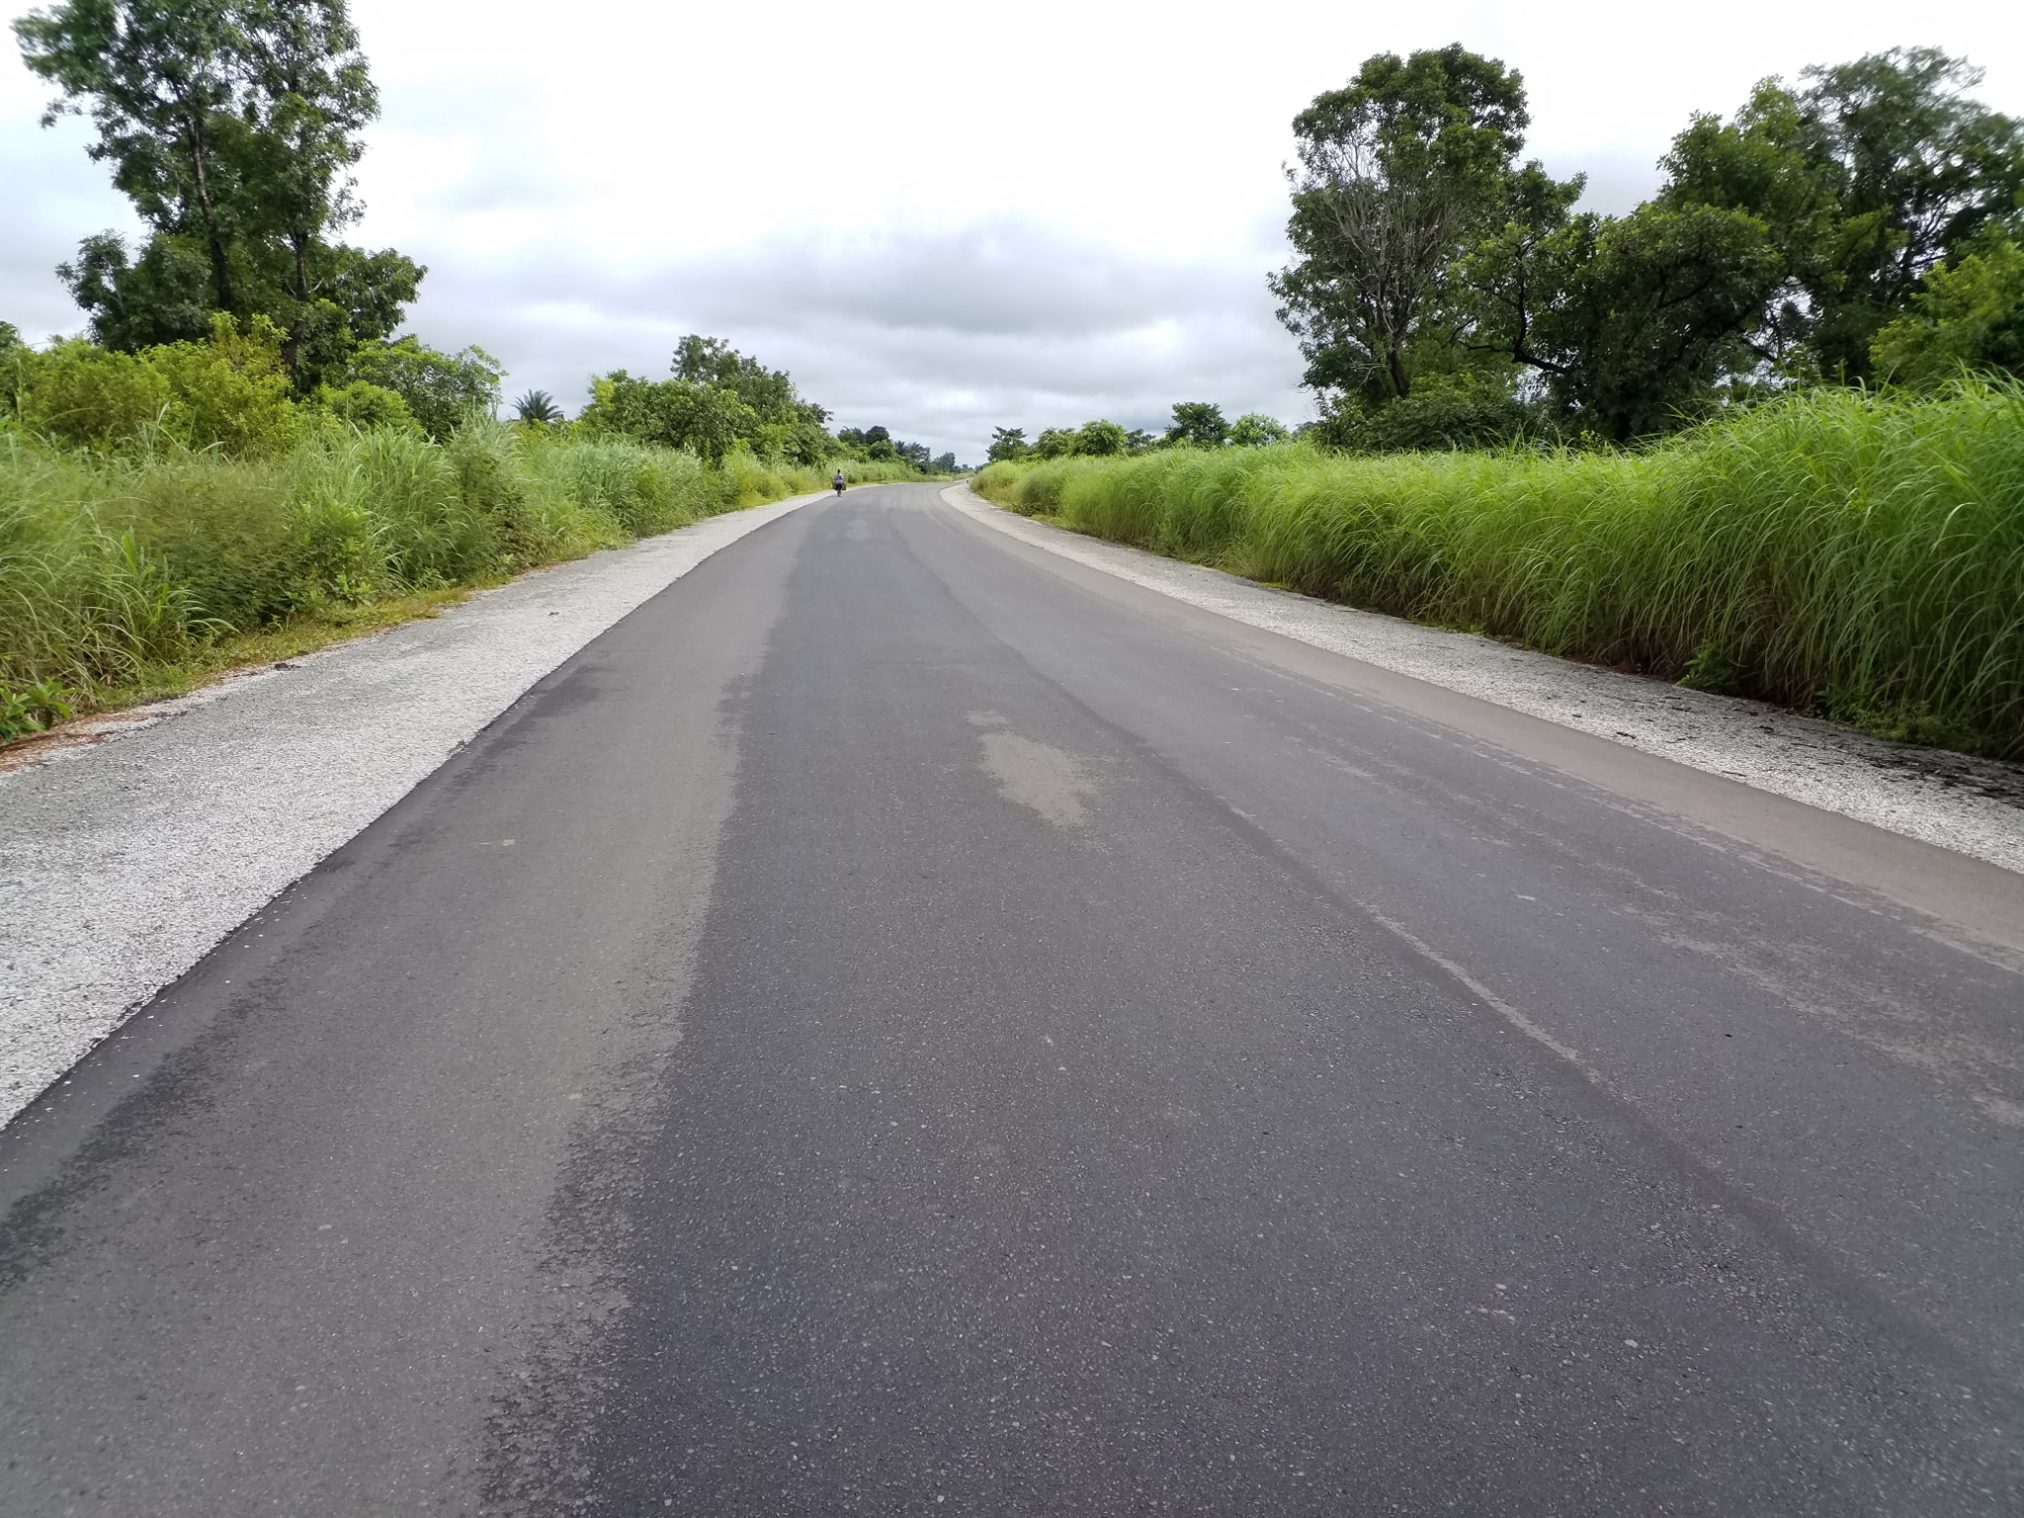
x,y
938,217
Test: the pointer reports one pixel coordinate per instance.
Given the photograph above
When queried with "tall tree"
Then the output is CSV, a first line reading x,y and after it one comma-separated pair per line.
x,y
1868,179
1395,173
308,96
234,126
1199,423
159,79
1007,443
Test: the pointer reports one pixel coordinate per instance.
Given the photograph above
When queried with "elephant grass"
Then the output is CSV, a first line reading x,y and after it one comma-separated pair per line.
x,y
134,574
1856,556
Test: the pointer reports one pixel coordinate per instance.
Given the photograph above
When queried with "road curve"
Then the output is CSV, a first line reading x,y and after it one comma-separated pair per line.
x,y
904,1022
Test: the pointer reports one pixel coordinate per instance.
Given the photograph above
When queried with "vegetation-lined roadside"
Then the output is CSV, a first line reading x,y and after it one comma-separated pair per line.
x,y
133,575
243,460
1857,557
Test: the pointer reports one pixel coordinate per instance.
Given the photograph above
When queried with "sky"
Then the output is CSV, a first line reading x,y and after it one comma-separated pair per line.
x,y
939,218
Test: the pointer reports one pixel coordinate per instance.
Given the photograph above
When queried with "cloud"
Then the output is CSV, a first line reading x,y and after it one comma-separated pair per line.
x,y
940,334
938,218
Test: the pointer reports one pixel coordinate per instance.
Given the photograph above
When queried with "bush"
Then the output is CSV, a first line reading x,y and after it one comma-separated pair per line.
x,y
362,405
1442,412
230,393
82,396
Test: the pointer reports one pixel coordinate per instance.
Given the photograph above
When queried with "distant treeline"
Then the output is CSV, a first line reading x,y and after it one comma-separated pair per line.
x,y
1863,227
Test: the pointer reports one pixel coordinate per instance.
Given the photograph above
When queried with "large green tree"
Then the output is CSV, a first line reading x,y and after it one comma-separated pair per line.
x,y
1200,424
1395,175
1633,321
233,126
1867,179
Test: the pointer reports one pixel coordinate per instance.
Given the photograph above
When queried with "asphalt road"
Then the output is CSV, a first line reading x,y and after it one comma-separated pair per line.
x,y
904,1023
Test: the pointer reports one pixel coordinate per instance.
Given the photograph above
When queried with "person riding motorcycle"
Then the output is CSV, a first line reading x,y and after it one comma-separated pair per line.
x,y
838,482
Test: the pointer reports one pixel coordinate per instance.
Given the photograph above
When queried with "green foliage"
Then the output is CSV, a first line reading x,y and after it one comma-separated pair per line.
x,y
1967,316
1008,444
231,392
119,569
1199,424
233,125
83,396
707,420
1396,174
1847,553
1254,429
1782,243
1648,312
538,408
362,406
1446,412
1869,179
1054,443
442,391
32,709
1100,439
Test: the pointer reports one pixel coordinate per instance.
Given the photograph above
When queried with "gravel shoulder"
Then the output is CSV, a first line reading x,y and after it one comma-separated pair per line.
x,y
142,839
1971,806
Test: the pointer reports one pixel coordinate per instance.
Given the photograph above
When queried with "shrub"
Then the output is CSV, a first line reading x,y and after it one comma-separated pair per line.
x,y
82,396
231,392
363,405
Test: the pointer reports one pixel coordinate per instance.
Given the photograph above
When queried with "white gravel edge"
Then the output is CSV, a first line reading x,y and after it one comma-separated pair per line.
x,y
1972,806
138,841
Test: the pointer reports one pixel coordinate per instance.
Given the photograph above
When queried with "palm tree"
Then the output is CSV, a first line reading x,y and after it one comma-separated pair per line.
x,y
538,406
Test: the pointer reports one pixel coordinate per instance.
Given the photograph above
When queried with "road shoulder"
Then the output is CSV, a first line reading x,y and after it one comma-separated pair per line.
x,y
129,857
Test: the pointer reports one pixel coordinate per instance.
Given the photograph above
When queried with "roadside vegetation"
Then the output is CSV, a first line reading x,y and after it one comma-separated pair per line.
x,y
1856,556
246,458
1763,434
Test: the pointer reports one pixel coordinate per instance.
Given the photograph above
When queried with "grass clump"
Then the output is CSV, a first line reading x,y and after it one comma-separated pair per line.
x,y
131,571
1852,555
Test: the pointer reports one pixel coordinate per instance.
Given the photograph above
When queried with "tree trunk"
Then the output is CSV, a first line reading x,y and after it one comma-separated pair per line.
x,y
221,263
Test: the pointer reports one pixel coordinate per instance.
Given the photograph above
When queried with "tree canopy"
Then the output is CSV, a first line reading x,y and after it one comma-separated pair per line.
x,y
1851,228
233,126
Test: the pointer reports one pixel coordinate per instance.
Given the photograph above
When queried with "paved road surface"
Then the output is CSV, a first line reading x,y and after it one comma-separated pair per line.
x,y
907,1024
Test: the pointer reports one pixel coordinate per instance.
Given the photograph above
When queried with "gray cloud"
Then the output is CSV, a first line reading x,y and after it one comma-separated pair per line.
x,y
939,336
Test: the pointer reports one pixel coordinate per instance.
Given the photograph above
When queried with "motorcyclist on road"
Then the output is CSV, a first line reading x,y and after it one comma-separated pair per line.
x,y
838,482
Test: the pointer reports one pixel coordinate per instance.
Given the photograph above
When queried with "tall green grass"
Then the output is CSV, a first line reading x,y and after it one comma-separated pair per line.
x,y
118,567
1852,555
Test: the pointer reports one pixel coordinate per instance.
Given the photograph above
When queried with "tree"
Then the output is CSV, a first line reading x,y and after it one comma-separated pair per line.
x,y
1921,170
1632,319
1966,316
308,95
442,391
1054,443
1199,424
1255,430
537,407
160,80
707,420
1395,173
233,125
1875,174
1007,444
769,392
1100,439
